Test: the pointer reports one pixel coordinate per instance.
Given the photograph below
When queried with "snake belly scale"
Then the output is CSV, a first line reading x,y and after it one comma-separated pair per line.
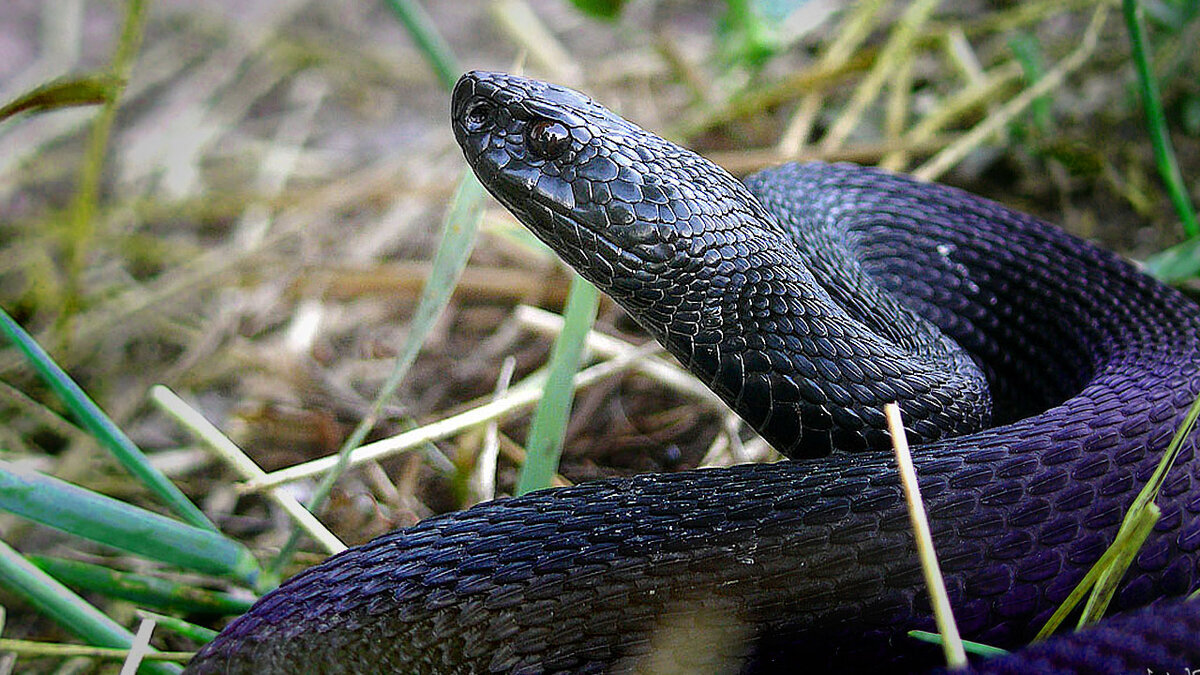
x,y
1040,376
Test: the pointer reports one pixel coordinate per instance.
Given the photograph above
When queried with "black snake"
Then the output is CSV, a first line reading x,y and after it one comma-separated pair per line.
x,y
1041,376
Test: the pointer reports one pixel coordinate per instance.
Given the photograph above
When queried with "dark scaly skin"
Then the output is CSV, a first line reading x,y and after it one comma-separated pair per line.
x,y
808,563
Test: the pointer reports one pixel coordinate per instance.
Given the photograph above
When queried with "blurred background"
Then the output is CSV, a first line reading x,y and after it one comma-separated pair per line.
x,y
261,223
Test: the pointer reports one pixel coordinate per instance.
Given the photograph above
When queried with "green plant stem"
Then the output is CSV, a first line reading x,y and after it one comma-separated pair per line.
x,y
431,43
81,224
1156,123
544,445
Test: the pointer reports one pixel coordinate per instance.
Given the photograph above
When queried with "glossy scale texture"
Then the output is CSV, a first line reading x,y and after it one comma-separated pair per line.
x,y
805,298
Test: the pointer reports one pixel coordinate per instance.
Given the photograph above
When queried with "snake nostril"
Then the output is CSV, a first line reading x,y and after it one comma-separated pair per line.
x,y
478,115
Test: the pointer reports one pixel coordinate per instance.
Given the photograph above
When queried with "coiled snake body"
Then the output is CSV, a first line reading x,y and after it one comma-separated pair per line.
x,y
1042,376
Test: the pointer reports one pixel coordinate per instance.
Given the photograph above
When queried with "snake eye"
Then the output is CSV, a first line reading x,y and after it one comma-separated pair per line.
x,y
478,115
548,139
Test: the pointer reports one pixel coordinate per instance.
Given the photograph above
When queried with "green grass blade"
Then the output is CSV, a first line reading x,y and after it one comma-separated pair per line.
x,y
142,589
977,648
544,445
185,628
1110,578
1156,124
458,240
601,9
1081,589
429,41
100,426
1176,264
1028,53
93,516
67,92
1129,536
70,611
81,225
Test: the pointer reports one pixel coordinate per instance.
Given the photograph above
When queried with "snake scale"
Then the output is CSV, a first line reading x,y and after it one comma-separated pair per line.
x,y
1040,376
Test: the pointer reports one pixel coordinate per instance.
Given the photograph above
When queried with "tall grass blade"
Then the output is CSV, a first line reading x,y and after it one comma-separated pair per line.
x,y
100,426
70,611
939,599
429,41
544,444
1138,520
81,227
1156,124
458,240
93,516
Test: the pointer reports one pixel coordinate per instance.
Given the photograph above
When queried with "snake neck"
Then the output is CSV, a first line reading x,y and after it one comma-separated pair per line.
x,y
719,281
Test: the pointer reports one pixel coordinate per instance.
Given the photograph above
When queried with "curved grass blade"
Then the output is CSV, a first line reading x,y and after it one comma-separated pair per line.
x,y
66,92
67,609
142,589
544,444
100,426
93,516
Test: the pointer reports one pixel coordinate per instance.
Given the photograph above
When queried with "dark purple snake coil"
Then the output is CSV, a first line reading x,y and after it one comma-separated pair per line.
x,y
1041,376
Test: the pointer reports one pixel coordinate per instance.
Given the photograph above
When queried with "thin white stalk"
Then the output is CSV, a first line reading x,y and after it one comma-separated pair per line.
x,y
233,455
518,398
956,656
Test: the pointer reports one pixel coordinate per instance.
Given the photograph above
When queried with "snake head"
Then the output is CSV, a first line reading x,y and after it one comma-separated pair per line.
x,y
631,212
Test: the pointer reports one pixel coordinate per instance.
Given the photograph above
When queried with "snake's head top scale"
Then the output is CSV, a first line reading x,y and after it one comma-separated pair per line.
x,y
697,260
626,208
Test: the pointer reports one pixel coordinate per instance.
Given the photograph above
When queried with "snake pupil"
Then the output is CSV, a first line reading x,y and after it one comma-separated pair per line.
x,y
548,139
